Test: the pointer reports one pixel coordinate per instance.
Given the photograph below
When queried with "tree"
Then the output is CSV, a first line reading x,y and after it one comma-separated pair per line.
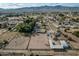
x,y
5,42
61,15
27,26
76,33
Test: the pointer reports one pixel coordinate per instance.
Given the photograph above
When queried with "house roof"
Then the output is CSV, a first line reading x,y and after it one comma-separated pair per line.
x,y
15,18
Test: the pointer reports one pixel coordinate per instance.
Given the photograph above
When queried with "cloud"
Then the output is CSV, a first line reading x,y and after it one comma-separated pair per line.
x,y
8,5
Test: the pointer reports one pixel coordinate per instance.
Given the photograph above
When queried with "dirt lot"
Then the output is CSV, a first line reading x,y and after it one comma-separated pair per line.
x,y
19,42
8,36
39,41
15,39
74,45
74,42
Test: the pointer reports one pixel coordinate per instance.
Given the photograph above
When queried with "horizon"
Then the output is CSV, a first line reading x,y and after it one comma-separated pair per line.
x,y
21,5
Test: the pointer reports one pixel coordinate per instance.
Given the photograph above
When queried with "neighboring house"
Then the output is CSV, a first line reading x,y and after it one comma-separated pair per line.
x,y
12,21
3,24
63,45
38,28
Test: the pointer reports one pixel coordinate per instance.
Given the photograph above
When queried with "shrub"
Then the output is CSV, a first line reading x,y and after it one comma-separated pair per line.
x,y
76,33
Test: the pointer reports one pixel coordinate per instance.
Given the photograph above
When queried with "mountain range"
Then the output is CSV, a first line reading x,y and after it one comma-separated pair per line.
x,y
40,9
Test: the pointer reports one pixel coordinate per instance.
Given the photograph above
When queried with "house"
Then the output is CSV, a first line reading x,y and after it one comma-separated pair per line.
x,y
58,34
38,28
12,21
63,45
3,24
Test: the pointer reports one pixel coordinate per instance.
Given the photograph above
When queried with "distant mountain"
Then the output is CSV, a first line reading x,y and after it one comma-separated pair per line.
x,y
40,9
1,9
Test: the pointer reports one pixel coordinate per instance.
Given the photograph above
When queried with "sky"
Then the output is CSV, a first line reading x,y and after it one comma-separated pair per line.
x,y
20,5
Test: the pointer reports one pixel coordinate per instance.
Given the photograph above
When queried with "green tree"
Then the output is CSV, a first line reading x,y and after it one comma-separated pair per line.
x,y
27,26
76,33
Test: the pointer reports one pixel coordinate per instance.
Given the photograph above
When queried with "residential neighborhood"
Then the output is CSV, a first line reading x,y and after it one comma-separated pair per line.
x,y
48,33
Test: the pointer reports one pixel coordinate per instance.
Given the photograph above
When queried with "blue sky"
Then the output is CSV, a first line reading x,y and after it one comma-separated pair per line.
x,y
19,5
